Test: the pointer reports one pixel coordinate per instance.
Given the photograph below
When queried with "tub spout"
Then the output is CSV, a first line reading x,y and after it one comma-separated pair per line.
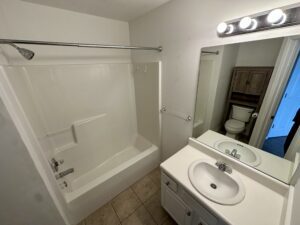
x,y
64,173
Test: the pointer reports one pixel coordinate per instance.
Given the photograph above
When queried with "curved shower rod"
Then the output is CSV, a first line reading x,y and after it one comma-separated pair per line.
x,y
24,51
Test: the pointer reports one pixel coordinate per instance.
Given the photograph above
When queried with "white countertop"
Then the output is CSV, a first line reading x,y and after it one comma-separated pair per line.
x,y
262,205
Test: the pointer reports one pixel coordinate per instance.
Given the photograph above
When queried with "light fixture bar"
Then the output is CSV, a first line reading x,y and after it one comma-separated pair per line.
x,y
272,19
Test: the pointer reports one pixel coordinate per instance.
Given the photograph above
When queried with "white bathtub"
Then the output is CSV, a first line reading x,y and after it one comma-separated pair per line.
x,y
91,190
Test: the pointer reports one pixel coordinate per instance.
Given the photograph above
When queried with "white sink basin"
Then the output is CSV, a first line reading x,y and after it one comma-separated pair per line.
x,y
220,187
245,154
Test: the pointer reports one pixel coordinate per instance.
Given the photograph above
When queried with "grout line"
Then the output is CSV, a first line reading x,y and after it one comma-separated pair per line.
x,y
131,213
141,203
149,211
110,202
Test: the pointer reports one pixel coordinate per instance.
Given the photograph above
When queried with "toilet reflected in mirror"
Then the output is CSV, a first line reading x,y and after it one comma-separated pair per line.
x,y
237,123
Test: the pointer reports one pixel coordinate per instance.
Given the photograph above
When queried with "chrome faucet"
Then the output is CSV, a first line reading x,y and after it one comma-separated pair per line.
x,y
64,173
223,167
233,153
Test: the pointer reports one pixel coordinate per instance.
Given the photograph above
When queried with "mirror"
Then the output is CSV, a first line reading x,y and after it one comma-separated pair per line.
x,y
248,103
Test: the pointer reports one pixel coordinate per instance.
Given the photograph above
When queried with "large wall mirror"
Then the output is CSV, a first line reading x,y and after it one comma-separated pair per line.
x,y
248,103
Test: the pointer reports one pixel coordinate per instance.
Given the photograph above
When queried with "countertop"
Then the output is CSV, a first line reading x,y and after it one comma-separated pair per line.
x,y
265,200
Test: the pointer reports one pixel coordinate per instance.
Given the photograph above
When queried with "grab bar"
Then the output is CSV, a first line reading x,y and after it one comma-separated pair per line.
x,y
179,115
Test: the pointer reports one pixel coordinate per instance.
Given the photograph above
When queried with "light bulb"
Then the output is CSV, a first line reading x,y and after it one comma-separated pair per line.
x,y
248,23
276,17
225,28
222,27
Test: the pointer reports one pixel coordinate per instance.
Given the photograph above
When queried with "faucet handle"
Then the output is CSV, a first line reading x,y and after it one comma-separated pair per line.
x,y
223,167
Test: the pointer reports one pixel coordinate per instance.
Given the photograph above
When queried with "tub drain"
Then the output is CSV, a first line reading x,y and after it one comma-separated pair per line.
x,y
213,186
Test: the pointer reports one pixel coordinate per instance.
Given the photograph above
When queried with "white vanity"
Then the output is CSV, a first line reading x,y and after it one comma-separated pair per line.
x,y
202,186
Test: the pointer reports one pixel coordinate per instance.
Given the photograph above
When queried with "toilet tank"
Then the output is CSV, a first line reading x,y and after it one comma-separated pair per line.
x,y
241,113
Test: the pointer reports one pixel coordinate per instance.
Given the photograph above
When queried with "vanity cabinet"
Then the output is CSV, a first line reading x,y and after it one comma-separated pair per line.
x,y
182,207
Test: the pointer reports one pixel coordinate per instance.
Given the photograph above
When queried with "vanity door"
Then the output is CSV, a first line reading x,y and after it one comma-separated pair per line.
x,y
173,204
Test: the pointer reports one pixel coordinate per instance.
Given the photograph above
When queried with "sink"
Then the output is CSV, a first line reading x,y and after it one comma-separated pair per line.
x,y
245,154
218,186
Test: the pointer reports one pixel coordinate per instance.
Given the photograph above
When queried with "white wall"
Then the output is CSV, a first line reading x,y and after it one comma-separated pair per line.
x,y
259,53
24,196
22,20
183,28
147,96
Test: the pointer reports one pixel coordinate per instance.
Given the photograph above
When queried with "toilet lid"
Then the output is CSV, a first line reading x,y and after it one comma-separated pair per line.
x,y
235,124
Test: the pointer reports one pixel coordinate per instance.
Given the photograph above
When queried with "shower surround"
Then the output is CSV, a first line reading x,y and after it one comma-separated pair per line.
x,y
102,120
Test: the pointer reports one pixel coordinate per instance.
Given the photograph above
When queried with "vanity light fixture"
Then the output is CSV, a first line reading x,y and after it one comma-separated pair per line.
x,y
247,23
271,19
276,17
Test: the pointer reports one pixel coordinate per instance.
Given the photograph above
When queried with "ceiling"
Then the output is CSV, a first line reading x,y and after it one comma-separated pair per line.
x,y
125,10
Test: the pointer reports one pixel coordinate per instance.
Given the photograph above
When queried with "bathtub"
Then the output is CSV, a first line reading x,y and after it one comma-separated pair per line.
x,y
89,191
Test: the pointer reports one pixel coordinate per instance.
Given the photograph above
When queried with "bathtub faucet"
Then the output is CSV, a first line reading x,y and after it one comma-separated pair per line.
x,y
64,173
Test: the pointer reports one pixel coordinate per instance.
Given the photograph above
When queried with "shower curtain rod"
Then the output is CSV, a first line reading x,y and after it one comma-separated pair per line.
x,y
82,45
209,52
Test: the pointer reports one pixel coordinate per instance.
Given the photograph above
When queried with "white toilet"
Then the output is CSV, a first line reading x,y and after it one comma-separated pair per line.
x,y
236,125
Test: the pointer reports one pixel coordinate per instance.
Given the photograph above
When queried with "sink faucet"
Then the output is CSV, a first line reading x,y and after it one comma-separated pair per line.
x,y
64,173
233,153
223,167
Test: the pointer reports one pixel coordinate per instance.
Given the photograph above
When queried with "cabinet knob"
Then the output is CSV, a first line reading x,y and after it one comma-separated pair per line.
x,y
200,223
188,213
167,183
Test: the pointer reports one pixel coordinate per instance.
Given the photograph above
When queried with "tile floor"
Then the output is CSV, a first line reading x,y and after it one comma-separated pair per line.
x,y
137,205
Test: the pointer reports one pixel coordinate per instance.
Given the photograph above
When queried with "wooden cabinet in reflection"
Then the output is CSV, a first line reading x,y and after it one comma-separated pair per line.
x,y
248,87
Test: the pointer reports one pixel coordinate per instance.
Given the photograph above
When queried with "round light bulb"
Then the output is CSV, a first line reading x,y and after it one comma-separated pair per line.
x,y
276,17
222,27
248,23
245,23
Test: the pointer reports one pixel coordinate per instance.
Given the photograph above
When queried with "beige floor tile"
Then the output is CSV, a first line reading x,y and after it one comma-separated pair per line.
x,y
103,216
139,217
154,207
126,203
155,176
145,188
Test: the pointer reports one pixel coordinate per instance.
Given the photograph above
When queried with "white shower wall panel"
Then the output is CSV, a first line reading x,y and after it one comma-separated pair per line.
x,y
85,111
